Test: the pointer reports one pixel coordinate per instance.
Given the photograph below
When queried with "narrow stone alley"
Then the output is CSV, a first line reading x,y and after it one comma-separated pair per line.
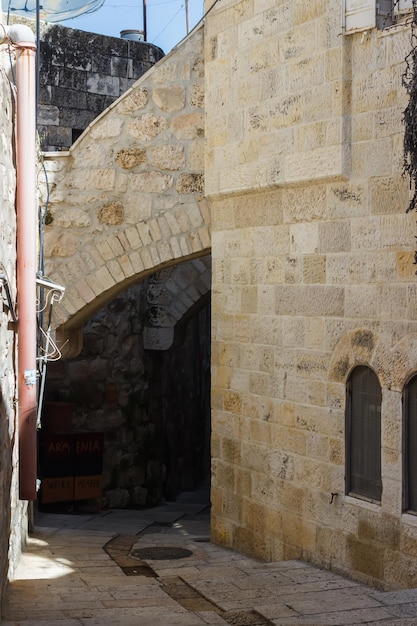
x,y
157,567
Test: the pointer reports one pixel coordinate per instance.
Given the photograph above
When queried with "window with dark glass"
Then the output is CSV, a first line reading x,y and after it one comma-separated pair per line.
x,y
363,434
410,446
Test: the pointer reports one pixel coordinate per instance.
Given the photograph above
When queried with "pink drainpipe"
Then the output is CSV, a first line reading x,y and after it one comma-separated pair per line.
x,y
23,41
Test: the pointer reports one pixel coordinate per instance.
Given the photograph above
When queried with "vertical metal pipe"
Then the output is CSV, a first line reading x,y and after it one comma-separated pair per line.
x,y
26,265
145,32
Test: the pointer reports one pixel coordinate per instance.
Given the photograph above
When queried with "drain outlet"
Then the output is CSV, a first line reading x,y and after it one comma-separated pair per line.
x,y
118,550
160,553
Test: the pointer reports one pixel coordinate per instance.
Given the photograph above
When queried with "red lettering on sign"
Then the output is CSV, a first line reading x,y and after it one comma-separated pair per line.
x,y
89,446
59,447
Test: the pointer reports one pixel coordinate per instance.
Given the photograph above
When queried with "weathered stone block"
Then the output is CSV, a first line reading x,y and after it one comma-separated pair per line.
x,y
133,101
334,237
106,128
188,125
314,269
190,183
167,157
309,300
197,93
361,269
108,86
169,98
48,115
405,264
147,127
61,245
111,213
368,158
128,158
313,165
150,182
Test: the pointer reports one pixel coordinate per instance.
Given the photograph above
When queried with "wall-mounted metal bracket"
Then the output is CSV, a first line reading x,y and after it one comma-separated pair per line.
x,y
30,377
52,292
10,304
49,293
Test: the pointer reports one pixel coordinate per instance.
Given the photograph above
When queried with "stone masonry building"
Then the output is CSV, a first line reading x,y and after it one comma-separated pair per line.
x,y
313,285
13,512
81,74
314,289
272,137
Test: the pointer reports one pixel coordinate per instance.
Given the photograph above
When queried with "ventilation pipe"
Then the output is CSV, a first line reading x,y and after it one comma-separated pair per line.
x,y
23,41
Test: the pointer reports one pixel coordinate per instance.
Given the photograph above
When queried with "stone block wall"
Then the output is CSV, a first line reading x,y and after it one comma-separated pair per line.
x,y
127,199
13,520
312,253
276,76
81,74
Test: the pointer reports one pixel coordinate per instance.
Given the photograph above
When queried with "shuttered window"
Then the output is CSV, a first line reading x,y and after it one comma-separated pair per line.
x,y
361,15
402,6
363,434
410,446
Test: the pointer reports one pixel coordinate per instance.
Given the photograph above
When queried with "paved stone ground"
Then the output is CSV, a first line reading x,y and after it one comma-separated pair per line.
x,y
78,570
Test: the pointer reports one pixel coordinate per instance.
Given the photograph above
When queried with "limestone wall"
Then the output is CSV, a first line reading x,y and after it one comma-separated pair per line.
x,y
312,253
13,521
81,74
127,199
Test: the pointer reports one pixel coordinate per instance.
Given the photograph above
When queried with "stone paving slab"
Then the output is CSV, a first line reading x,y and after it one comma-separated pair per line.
x,y
311,603
339,618
67,578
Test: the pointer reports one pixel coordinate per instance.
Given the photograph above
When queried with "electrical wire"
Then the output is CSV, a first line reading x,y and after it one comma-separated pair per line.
x,y
134,6
194,28
170,22
198,23
10,50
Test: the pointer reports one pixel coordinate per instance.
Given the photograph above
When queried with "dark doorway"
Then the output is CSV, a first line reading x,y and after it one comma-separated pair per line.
x,y
152,407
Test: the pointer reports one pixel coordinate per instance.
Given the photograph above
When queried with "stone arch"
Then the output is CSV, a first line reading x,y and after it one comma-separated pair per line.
x,y
171,294
127,200
399,363
393,364
355,348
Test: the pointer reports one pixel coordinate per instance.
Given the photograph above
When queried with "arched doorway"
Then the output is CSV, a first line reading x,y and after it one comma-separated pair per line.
x,y
151,402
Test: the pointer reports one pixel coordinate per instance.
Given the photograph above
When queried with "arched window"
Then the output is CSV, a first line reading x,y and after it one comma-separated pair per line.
x,y
363,434
410,446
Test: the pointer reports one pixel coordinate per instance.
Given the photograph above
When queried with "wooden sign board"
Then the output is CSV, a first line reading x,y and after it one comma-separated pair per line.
x,y
86,487
57,489
56,456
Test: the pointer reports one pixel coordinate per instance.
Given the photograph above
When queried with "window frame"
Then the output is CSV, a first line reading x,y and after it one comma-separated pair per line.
x,y
350,489
402,6
358,15
362,15
406,448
